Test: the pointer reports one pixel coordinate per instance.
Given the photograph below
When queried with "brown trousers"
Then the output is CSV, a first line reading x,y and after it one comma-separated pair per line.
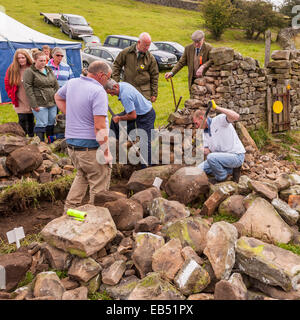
x,y
89,174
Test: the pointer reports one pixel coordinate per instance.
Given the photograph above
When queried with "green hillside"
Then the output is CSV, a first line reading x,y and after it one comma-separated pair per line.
x,y
131,17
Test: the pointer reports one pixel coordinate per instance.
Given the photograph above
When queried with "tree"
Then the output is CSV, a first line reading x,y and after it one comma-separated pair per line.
x,y
257,16
287,7
217,15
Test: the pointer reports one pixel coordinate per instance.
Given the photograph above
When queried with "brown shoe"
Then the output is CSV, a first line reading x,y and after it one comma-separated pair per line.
x,y
236,173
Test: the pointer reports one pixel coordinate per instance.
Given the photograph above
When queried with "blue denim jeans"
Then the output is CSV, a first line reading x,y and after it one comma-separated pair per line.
x,y
45,117
220,164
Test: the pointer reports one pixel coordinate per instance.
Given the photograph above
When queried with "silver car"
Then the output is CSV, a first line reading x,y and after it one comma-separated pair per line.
x,y
92,53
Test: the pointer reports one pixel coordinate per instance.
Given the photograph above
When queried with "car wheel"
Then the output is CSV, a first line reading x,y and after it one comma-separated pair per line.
x,y
46,20
61,29
70,34
85,64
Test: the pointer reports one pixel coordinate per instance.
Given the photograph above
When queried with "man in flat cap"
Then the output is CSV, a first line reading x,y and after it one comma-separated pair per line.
x,y
195,56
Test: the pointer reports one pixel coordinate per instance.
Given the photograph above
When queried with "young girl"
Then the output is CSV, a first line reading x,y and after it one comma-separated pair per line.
x,y
16,91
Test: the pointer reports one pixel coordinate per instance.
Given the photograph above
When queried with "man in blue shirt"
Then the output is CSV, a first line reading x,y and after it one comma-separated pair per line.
x,y
138,111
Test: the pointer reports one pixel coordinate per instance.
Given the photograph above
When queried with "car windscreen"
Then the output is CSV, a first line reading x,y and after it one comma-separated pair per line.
x,y
178,46
115,53
153,47
78,21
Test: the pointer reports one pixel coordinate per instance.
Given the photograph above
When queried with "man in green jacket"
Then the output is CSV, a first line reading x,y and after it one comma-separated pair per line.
x,y
140,67
195,56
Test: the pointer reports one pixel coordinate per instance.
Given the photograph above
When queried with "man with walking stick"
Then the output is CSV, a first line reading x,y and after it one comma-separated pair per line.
x,y
195,56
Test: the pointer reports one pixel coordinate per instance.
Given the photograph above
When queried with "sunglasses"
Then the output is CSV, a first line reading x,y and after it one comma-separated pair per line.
x,y
59,55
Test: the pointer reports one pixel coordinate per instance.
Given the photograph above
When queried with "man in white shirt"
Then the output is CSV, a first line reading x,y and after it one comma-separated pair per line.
x,y
223,149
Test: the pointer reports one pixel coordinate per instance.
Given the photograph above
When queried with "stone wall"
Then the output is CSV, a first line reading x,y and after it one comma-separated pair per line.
x,y
182,4
240,84
284,70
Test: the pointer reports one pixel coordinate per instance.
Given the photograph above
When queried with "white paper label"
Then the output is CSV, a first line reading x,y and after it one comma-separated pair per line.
x,y
15,236
157,182
2,278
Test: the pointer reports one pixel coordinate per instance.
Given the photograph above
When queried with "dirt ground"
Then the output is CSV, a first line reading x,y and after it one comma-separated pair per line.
x,y
34,219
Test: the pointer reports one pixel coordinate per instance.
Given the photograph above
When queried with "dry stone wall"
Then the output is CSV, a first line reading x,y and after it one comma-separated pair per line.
x,y
239,83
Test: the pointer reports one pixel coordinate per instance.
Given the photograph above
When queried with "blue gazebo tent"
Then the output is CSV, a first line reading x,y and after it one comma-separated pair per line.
x,y
15,35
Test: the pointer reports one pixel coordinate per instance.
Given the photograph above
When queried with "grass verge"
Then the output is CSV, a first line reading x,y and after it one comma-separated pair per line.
x,y
25,193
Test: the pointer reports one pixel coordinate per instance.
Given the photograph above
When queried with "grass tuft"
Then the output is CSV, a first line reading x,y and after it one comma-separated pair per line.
x,y
261,136
28,279
290,246
103,295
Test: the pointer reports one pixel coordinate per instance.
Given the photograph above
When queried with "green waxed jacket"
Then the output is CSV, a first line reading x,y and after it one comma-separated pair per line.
x,y
40,88
142,73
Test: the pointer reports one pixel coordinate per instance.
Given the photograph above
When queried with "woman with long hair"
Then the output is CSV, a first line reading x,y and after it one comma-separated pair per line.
x,y
16,92
40,85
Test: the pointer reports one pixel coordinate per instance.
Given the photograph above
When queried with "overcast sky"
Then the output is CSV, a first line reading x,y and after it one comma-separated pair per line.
x,y
277,2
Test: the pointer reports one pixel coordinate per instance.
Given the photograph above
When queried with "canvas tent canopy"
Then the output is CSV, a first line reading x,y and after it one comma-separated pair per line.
x,y
15,35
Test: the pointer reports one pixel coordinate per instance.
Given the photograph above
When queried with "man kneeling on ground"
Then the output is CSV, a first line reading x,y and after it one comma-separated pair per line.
x,y
223,149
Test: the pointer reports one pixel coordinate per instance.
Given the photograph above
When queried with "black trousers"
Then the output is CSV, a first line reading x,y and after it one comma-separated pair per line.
x,y
145,122
26,121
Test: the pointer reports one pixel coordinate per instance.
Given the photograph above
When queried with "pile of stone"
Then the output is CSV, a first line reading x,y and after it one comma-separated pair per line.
x,y
149,247
285,70
28,158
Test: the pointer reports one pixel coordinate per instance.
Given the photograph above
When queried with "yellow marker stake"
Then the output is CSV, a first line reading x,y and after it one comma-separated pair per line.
x,y
76,214
277,106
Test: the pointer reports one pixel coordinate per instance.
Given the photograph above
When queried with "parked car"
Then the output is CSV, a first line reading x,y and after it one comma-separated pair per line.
x,y
92,53
170,46
165,60
74,25
91,40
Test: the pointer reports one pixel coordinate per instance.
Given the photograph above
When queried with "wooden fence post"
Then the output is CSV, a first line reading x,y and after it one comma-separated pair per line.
x,y
267,47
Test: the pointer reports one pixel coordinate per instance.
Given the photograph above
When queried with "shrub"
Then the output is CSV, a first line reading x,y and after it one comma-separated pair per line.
x,y
217,15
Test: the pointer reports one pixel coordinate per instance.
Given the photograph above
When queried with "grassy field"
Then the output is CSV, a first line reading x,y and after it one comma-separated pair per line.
x,y
131,18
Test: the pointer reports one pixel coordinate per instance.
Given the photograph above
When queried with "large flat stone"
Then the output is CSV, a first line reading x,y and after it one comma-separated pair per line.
x,y
167,260
263,222
146,244
268,263
24,159
289,215
125,213
81,238
220,248
191,278
48,284
167,211
153,287
190,231
143,179
16,265
187,184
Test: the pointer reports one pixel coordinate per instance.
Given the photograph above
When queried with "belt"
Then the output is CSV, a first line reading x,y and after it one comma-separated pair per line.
x,y
76,148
